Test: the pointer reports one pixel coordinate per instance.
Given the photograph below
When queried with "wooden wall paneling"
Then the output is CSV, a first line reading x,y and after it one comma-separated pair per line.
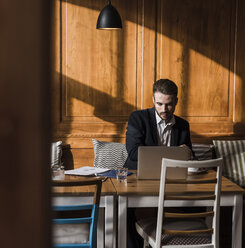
x,y
83,157
195,48
140,53
94,66
195,53
98,72
86,142
96,78
146,52
73,158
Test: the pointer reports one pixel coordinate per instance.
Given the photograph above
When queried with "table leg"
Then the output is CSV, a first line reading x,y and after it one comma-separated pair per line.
x,y
101,229
237,221
109,221
122,222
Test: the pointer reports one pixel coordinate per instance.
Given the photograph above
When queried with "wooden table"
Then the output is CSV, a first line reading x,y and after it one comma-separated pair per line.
x,y
144,193
78,195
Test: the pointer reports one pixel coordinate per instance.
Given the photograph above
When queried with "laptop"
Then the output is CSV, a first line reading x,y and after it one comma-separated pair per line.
x,y
150,161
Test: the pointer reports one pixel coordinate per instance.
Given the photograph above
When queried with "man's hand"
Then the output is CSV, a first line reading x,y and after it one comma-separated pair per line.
x,y
188,150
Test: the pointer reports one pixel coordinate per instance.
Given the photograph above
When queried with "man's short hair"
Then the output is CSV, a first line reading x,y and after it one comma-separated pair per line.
x,y
166,87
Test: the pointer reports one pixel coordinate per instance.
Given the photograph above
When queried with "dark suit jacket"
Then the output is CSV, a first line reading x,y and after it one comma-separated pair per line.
x,y
142,131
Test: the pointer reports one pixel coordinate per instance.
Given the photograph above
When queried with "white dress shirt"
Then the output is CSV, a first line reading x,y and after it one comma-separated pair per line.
x,y
164,130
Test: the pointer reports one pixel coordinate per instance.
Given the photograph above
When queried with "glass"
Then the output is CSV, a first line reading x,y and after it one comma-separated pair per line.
x,y
58,172
121,174
56,153
57,168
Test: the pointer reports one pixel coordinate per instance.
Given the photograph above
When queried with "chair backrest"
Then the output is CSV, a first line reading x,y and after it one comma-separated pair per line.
x,y
93,210
209,198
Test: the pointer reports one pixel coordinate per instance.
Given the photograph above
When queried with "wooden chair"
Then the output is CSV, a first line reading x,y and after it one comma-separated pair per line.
x,y
79,232
185,229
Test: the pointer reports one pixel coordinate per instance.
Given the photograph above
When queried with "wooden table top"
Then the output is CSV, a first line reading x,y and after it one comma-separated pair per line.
x,y
147,187
107,187
151,187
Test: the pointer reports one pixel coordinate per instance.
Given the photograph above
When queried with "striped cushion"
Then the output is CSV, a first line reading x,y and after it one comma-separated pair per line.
x,y
233,153
109,154
203,152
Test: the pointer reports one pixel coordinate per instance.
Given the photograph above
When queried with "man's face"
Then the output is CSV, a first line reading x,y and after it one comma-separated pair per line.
x,y
165,105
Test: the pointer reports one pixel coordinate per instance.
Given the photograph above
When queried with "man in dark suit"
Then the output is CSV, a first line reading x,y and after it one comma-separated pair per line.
x,y
158,125
153,127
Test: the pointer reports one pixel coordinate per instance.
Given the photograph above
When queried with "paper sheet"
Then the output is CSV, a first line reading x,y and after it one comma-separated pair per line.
x,y
86,171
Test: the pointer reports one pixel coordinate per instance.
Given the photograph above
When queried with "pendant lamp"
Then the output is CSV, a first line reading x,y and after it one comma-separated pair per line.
x,y
109,18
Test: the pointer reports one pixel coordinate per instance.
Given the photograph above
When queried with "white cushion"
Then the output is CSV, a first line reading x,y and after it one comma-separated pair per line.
x,y
70,233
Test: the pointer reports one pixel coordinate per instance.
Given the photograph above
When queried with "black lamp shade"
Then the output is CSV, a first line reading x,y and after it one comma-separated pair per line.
x,y
109,18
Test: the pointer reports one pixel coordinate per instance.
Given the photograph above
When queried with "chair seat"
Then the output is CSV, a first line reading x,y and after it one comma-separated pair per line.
x,y
148,227
71,233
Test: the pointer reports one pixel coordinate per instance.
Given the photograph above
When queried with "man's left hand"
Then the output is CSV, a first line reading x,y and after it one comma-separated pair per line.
x,y
188,150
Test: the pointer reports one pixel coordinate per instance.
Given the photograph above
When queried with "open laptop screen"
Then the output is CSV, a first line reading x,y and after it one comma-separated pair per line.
x,y
150,161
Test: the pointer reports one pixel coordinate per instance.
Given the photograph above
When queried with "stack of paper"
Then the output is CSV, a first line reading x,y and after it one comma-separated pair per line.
x,y
86,171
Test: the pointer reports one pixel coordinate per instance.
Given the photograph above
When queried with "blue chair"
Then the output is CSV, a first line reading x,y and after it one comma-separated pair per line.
x,y
74,222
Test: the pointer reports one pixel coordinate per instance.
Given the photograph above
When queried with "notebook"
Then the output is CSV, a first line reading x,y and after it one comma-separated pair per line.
x,y
150,161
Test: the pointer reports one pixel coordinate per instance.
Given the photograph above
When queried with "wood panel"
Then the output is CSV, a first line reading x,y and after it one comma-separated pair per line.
x,y
194,47
197,48
146,52
95,80
98,67
77,157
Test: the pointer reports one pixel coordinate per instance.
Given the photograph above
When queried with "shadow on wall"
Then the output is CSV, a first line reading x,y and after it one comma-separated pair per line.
x,y
104,104
105,107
